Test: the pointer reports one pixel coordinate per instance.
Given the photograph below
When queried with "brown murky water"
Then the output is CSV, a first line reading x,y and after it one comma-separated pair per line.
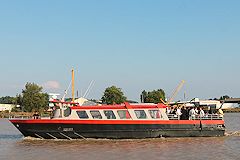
x,y
14,147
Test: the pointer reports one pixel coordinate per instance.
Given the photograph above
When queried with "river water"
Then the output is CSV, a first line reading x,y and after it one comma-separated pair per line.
x,y
14,147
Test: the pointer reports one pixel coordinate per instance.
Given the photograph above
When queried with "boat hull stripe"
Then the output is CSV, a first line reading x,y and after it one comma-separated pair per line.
x,y
57,121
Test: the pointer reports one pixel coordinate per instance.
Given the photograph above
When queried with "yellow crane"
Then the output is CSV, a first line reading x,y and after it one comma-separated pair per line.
x,y
175,92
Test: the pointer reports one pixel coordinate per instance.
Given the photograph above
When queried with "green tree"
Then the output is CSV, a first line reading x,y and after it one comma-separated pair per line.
x,y
113,95
153,96
19,99
33,99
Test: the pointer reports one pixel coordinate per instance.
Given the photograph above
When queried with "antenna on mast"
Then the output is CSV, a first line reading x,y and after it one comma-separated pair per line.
x,y
88,89
72,85
66,91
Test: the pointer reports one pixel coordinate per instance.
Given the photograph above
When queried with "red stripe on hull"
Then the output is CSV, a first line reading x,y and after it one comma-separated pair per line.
x,y
60,121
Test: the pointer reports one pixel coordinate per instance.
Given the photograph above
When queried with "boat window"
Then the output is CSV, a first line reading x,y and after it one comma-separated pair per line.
x,y
96,114
155,114
67,112
123,114
109,114
82,114
140,114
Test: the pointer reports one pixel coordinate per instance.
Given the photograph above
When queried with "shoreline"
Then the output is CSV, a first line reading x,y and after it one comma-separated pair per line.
x,y
16,114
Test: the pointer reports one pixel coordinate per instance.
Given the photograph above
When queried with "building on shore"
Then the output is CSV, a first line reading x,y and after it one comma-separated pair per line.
x,y
216,104
6,107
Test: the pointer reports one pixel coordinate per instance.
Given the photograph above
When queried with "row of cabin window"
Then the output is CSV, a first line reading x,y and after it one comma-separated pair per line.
x,y
123,114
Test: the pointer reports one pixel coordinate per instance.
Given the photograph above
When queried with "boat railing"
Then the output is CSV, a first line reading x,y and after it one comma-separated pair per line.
x,y
173,117
27,117
197,117
20,117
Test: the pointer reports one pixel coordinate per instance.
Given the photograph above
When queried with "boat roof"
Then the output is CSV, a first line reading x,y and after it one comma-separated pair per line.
x,y
122,106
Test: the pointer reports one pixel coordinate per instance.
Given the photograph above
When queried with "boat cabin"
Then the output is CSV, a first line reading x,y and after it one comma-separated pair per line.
x,y
124,111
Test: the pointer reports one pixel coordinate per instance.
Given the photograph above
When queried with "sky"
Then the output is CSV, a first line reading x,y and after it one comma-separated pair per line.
x,y
135,45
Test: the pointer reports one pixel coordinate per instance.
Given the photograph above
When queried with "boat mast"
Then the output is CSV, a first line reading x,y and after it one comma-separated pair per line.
x,y
72,85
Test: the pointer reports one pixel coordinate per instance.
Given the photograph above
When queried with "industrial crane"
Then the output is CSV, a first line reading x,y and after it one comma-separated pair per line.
x,y
175,92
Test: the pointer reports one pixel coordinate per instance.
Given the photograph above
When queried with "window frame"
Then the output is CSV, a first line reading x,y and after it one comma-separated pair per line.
x,y
85,114
93,116
128,115
140,110
112,113
158,112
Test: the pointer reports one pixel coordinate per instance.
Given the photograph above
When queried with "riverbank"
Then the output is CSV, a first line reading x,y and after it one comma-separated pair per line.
x,y
6,114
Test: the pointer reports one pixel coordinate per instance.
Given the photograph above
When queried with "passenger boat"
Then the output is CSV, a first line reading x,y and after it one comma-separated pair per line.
x,y
129,121
124,121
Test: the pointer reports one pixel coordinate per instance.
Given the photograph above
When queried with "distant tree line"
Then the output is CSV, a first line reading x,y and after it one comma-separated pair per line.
x,y
7,100
221,98
224,97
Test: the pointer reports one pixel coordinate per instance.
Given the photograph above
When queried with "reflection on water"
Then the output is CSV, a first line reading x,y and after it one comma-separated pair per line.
x,y
13,146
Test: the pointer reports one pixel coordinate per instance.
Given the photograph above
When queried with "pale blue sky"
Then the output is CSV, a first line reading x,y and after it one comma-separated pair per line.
x,y
133,44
